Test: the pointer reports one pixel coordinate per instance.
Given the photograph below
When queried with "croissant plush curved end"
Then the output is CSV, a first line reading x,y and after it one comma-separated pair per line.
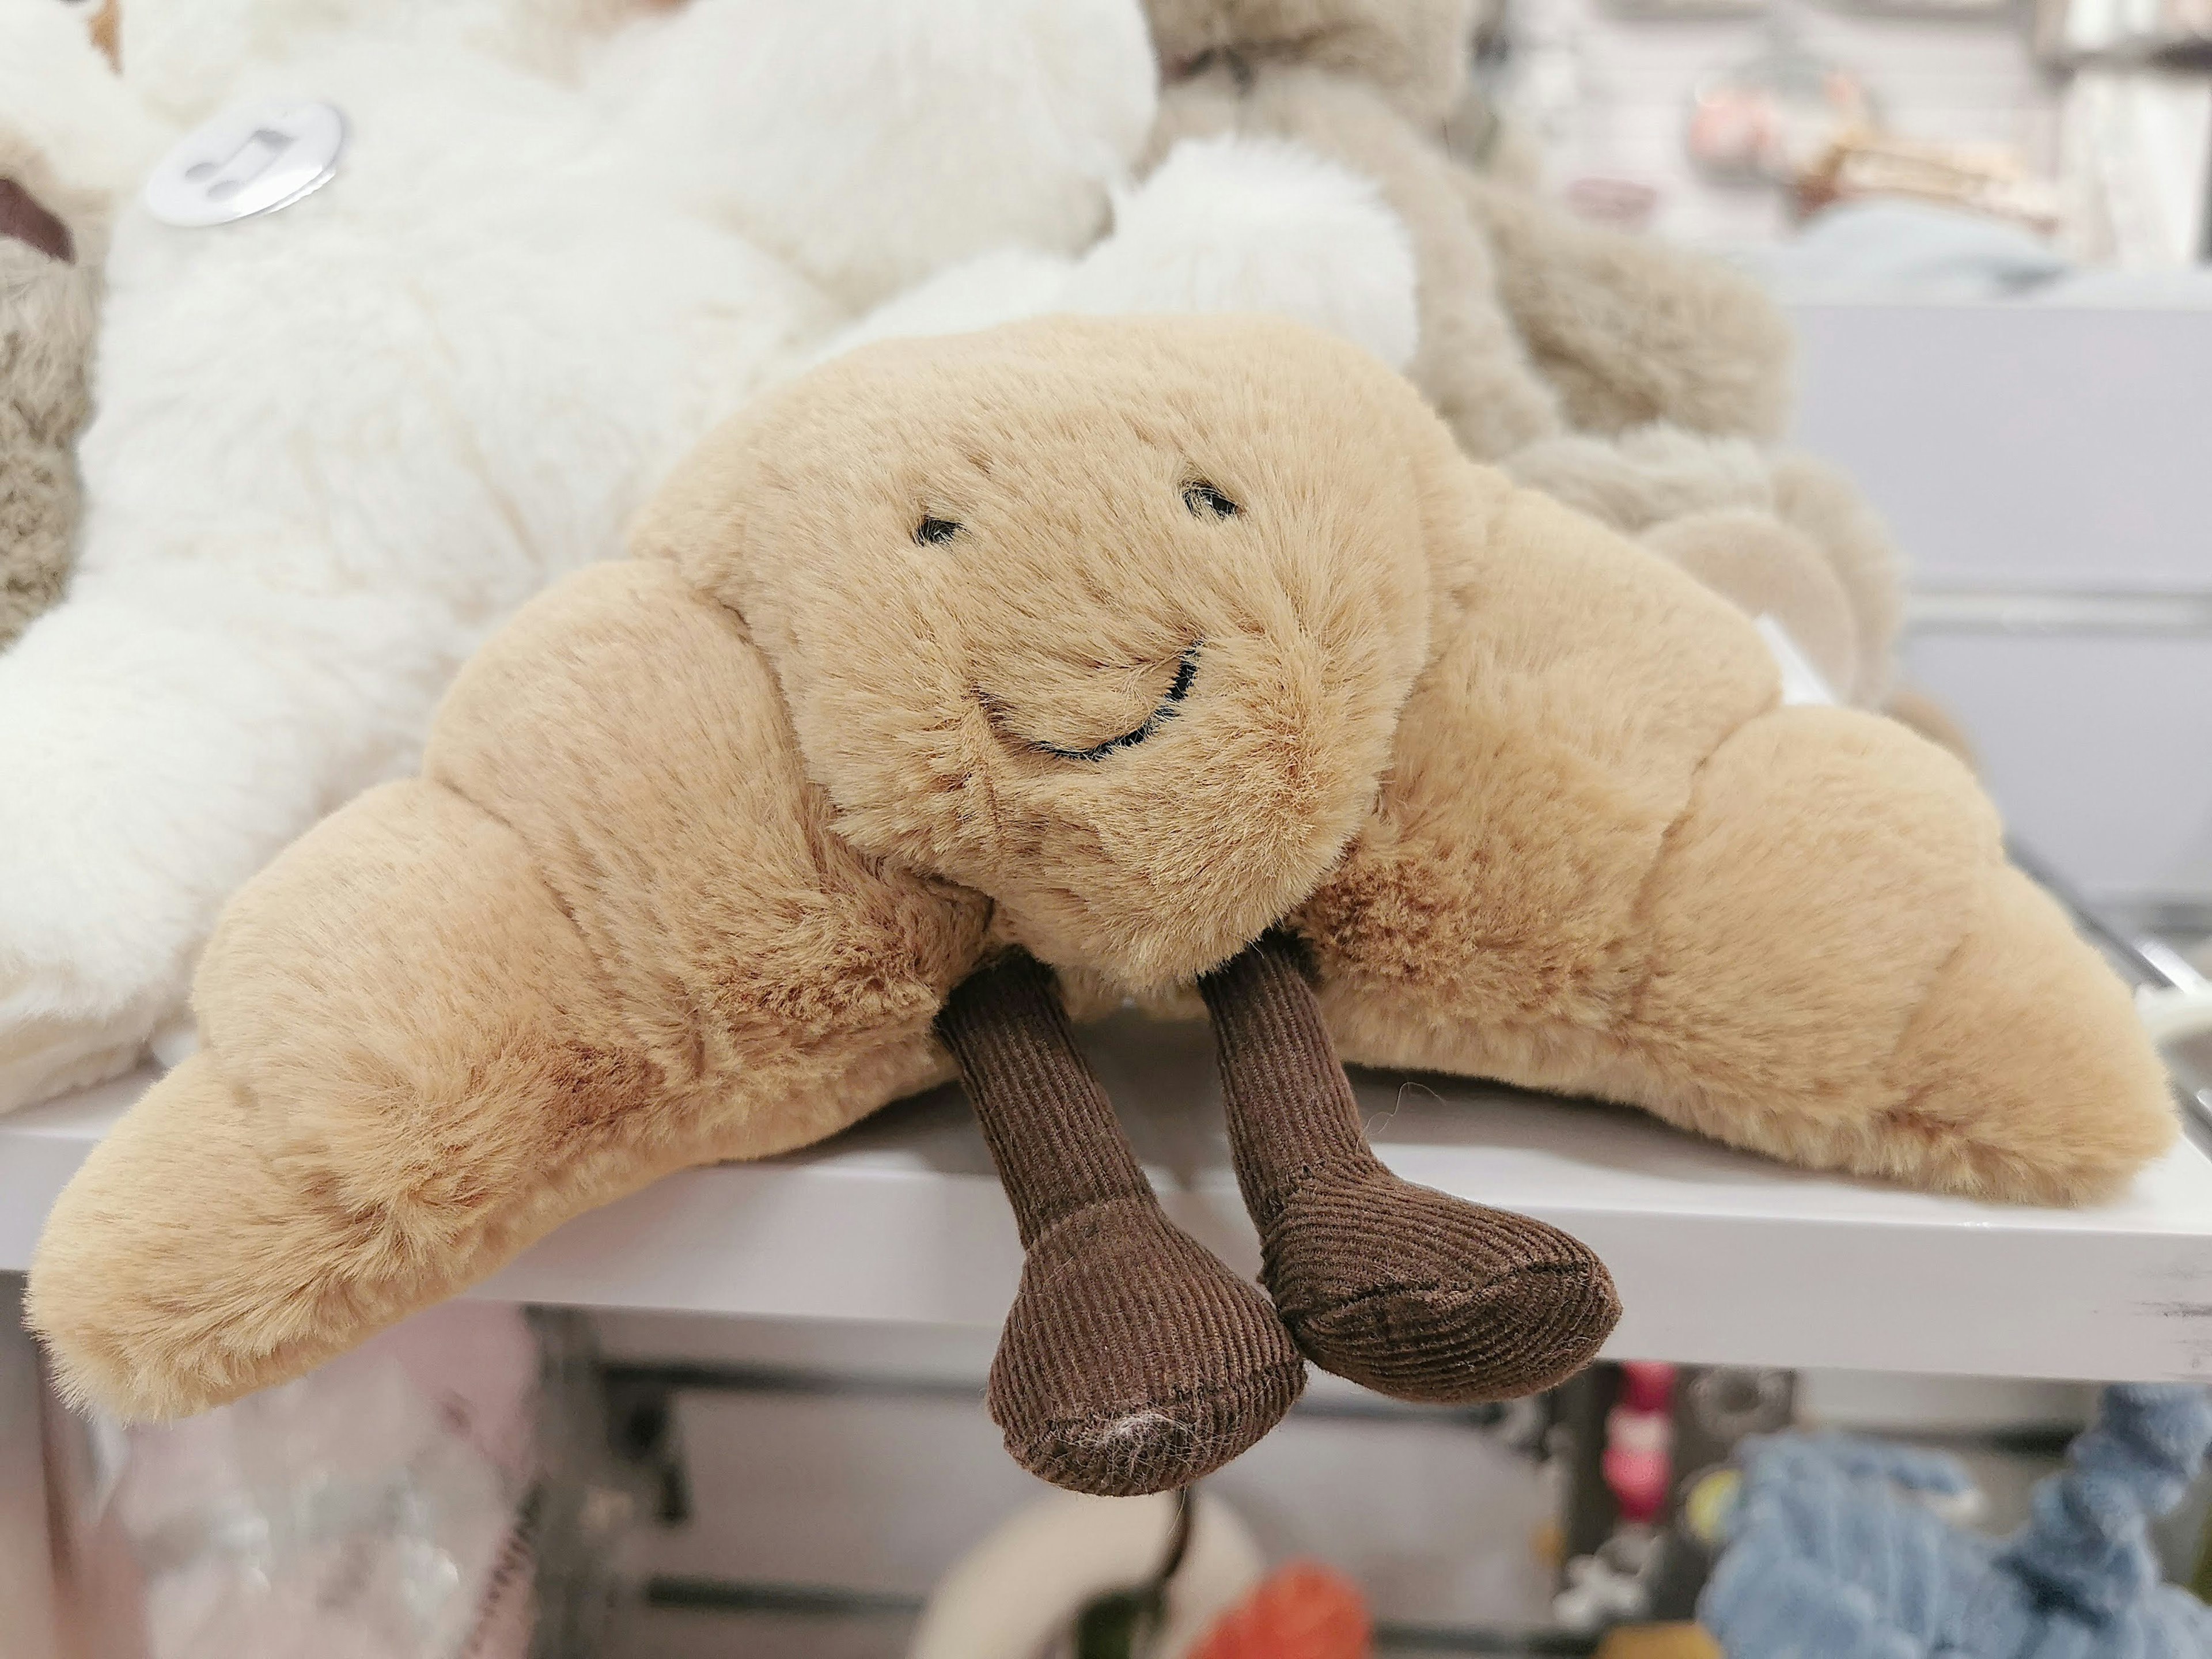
x,y
1127,646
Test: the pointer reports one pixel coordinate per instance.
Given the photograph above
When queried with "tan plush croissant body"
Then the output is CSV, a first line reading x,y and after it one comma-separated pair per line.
x,y
1123,643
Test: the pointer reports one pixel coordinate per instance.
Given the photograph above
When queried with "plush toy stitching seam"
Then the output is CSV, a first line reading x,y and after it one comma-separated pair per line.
x,y
1639,919
603,980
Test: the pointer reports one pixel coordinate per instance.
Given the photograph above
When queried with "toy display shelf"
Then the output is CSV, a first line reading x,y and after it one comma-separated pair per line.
x,y
1721,1257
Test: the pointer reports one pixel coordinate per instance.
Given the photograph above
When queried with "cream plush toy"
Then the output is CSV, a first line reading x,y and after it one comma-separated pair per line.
x,y
69,139
336,444
1223,224
1174,654
1642,383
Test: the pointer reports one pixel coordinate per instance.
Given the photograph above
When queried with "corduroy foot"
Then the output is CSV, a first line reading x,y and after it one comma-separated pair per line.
x,y
1133,1361
1405,1289
1422,1295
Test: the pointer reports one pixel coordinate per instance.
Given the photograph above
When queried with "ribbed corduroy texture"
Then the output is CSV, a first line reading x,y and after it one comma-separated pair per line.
x,y
1049,1126
1133,1361
1409,1291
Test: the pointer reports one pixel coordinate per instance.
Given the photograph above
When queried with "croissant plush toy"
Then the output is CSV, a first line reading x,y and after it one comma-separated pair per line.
x,y
964,681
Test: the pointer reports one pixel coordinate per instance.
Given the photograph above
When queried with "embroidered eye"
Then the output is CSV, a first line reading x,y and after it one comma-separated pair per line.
x,y
1204,501
934,532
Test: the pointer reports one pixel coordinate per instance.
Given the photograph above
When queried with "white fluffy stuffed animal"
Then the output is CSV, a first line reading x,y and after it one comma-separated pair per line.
x,y
1223,224
335,445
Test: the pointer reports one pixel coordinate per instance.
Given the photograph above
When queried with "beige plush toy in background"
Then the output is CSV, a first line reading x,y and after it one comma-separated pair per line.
x,y
1781,534
67,131
1361,81
1139,646
1644,383
1534,323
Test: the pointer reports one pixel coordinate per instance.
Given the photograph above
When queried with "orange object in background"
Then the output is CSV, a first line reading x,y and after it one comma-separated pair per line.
x,y
1305,1611
1659,1642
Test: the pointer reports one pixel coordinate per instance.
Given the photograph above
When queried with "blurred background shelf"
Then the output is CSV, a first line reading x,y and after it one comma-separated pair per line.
x,y
1721,1257
2039,464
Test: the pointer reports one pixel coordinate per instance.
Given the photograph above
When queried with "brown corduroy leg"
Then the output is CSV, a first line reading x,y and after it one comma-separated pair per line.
x,y
1407,1289
1132,1360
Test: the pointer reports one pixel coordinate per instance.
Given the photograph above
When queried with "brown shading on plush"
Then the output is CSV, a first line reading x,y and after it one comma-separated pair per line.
x,y
106,31
561,962
1411,1291
1133,1361
1229,634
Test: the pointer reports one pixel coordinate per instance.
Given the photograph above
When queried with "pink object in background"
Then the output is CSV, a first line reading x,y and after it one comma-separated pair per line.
x,y
1639,1442
1621,203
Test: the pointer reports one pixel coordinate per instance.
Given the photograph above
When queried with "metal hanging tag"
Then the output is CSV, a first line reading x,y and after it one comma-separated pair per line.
x,y
257,159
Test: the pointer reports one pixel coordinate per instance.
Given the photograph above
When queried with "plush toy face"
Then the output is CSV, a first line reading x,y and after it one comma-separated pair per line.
x,y
1096,644
1416,50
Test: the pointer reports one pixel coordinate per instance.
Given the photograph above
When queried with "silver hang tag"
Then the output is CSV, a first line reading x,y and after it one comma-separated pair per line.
x,y
256,158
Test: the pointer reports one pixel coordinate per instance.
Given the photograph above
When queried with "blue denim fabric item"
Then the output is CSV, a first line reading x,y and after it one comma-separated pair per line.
x,y
1833,1551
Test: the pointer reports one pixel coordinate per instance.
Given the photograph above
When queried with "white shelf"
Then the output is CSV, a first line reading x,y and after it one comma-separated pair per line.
x,y
1720,1257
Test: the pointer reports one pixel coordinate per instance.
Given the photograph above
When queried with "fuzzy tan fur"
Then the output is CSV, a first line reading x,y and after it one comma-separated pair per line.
x,y
49,307
702,840
1555,347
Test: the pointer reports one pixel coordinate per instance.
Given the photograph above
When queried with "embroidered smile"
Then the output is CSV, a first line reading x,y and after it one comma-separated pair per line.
x,y
1186,673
